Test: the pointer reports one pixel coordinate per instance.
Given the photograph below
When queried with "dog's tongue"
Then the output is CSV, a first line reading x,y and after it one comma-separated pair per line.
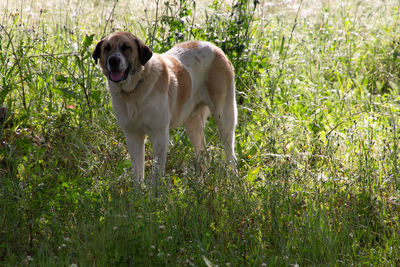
x,y
117,76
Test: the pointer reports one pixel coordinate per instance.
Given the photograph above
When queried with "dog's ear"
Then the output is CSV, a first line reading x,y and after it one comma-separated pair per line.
x,y
145,52
97,51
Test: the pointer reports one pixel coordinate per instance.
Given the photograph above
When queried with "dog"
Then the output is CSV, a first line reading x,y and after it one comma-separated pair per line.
x,y
154,93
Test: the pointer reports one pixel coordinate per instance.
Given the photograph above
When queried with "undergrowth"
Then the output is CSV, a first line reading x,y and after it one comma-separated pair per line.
x,y
317,139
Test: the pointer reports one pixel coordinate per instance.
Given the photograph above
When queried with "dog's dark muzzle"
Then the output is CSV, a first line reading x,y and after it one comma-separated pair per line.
x,y
114,62
116,74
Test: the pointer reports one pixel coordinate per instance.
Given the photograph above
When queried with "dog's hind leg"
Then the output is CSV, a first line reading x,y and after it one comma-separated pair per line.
x,y
225,117
221,90
194,126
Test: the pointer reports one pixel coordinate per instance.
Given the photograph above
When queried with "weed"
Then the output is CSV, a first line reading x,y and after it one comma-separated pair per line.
x,y
317,139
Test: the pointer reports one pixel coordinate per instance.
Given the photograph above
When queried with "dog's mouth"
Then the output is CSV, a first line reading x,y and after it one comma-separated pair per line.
x,y
119,76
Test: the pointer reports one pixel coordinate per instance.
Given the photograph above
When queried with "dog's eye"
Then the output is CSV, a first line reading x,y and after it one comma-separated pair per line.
x,y
125,47
107,48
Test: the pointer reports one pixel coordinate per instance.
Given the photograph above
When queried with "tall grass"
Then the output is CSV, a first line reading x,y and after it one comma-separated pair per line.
x,y
317,139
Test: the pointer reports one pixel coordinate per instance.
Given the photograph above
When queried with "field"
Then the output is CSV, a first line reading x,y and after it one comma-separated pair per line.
x,y
317,140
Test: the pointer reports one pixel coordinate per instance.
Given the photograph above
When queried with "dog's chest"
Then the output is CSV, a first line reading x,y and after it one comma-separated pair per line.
x,y
126,112
131,116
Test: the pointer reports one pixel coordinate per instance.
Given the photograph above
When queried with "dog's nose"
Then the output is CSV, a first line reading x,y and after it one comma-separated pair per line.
x,y
114,62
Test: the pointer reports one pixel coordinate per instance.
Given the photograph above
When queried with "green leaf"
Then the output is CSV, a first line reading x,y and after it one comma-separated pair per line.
x,y
88,40
282,46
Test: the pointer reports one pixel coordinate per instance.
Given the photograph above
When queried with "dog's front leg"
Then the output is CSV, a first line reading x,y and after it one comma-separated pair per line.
x,y
135,142
160,147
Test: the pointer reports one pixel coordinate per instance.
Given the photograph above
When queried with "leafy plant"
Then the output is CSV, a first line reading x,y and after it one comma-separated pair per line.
x,y
317,140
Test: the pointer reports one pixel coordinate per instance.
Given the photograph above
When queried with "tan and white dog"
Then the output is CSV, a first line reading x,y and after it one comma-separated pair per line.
x,y
154,93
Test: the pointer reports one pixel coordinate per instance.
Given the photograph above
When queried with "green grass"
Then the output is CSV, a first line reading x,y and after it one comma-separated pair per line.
x,y
317,140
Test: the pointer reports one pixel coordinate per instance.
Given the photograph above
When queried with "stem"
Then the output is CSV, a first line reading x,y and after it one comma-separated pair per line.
x,y
19,67
109,17
155,26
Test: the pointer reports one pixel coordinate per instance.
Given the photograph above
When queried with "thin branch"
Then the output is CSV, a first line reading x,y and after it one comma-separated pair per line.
x,y
109,17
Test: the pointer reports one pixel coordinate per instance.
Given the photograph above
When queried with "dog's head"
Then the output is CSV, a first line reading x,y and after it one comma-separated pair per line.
x,y
121,54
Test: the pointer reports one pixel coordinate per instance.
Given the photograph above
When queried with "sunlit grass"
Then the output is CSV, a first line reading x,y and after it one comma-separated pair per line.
x,y
317,139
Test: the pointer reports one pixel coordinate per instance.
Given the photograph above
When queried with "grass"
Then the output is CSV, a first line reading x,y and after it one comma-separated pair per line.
x,y
317,139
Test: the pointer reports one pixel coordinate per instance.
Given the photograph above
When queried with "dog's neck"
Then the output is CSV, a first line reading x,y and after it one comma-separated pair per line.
x,y
130,84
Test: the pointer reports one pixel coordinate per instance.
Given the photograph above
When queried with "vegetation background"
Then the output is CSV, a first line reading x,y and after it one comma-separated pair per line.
x,y
317,139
